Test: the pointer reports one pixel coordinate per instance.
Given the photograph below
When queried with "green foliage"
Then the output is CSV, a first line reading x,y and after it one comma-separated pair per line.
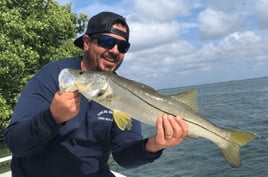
x,y
32,33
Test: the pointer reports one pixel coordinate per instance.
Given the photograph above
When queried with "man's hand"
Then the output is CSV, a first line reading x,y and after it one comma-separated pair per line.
x,y
65,106
170,131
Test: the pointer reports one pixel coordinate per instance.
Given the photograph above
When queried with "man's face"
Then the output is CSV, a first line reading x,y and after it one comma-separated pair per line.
x,y
98,58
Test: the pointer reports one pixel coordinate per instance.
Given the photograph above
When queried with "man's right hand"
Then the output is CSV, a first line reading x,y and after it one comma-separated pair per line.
x,y
65,106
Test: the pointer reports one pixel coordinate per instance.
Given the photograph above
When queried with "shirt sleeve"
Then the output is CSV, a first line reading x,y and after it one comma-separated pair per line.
x,y
32,124
128,147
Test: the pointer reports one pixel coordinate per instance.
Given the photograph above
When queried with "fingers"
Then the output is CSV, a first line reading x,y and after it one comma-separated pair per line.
x,y
180,129
183,125
174,127
160,133
69,95
168,126
170,131
65,106
164,127
73,96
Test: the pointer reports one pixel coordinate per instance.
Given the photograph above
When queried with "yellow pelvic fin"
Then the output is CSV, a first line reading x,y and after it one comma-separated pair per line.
x,y
122,120
188,98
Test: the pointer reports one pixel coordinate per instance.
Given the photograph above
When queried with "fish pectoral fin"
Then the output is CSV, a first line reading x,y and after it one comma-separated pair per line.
x,y
122,120
188,98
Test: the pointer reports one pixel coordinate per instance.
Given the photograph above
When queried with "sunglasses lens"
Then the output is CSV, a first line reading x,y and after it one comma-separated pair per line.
x,y
109,42
106,42
123,46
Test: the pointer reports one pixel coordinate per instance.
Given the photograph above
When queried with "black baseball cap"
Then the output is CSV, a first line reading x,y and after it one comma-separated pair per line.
x,y
102,23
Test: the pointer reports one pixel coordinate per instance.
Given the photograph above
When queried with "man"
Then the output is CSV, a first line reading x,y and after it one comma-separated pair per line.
x,y
53,134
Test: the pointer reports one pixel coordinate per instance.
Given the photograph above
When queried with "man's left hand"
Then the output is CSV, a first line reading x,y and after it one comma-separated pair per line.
x,y
170,131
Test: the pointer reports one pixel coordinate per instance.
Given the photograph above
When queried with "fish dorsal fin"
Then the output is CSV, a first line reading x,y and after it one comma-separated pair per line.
x,y
122,120
188,98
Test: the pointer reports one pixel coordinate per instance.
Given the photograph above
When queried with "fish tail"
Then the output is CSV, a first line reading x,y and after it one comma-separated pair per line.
x,y
231,149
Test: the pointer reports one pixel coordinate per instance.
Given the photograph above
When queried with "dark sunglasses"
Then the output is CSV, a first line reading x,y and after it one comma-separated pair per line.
x,y
108,42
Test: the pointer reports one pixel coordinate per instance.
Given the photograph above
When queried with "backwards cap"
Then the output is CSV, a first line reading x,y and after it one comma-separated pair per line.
x,y
102,23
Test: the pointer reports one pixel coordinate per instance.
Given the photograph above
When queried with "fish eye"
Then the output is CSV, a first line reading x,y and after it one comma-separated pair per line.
x,y
81,72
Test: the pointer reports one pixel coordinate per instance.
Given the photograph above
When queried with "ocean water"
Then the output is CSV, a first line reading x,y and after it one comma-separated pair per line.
x,y
240,105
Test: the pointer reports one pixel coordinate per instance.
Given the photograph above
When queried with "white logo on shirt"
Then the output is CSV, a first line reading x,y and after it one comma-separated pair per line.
x,y
102,115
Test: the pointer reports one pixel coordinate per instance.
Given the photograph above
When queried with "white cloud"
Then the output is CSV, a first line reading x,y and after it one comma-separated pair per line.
x,y
242,7
160,10
262,13
149,35
221,5
246,47
215,24
240,41
154,62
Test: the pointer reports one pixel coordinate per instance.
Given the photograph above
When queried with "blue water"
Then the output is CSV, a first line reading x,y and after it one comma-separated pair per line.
x,y
241,105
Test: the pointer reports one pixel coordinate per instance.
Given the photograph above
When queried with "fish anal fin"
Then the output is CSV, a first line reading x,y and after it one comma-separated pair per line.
x,y
122,120
188,98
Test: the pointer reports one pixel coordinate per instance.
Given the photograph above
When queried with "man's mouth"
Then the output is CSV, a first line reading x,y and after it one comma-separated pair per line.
x,y
110,59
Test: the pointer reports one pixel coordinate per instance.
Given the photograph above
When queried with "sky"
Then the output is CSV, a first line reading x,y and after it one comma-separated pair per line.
x,y
176,43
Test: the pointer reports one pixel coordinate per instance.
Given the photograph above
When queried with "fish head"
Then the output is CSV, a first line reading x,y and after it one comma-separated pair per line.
x,y
90,84
66,80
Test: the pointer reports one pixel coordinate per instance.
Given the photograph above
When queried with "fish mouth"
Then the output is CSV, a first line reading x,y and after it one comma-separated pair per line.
x,y
66,81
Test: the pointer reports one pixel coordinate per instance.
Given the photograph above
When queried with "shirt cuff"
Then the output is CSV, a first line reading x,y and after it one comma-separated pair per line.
x,y
150,155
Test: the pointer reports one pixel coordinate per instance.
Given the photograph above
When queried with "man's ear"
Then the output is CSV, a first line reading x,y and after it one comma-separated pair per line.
x,y
86,42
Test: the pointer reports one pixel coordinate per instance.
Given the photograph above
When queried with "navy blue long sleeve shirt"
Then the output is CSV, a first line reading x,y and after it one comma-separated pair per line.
x,y
78,148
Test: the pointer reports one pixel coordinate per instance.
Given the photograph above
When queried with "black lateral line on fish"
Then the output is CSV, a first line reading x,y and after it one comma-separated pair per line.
x,y
172,114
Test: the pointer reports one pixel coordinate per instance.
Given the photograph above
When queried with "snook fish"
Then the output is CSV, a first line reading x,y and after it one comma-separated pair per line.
x,y
129,99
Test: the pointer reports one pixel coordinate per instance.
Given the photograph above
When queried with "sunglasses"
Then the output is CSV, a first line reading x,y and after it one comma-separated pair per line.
x,y
108,42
